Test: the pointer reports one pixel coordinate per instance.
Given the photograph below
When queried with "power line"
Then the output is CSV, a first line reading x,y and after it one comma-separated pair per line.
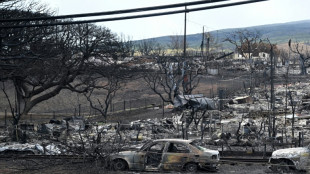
x,y
136,16
113,12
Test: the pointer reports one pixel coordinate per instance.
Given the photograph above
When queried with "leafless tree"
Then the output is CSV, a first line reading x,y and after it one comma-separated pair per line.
x,y
304,55
150,47
146,47
159,50
212,45
245,42
272,90
126,46
284,56
249,44
177,45
173,74
106,80
293,104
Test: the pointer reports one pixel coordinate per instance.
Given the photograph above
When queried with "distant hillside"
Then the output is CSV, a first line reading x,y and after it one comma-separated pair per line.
x,y
277,33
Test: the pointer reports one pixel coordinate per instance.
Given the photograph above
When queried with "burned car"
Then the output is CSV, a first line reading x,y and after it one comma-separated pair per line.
x,y
290,159
167,154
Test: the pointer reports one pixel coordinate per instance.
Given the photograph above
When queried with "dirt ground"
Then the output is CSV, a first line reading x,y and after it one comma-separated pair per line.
x,y
16,166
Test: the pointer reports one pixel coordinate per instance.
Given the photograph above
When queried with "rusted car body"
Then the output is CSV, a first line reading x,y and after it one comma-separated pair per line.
x,y
167,154
290,159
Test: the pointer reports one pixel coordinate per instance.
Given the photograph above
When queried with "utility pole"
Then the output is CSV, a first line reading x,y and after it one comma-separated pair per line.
x,y
202,40
208,44
287,63
272,98
184,54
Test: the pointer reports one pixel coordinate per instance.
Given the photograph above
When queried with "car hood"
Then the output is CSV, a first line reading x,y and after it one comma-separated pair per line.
x,y
289,153
126,153
209,152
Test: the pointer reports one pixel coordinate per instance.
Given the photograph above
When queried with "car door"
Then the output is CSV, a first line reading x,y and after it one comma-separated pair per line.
x,y
305,159
139,157
138,160
176,156
153,156
149,157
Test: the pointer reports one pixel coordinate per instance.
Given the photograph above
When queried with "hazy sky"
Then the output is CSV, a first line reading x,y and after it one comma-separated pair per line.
x,y
272,11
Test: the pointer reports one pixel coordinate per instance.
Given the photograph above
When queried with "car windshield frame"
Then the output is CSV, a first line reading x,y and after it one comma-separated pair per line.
x,y
200,148
147,144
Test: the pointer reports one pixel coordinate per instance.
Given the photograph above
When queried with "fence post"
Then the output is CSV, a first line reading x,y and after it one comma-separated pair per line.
x,y
124,105
221,97
163,108
79,109
299,139
265,149
302,139
210,124
5,114
90,110
111,105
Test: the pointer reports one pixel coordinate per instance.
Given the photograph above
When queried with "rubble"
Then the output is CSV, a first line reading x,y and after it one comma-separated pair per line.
x,y
50,149
241,100
28,148
9,148
197,101
243,124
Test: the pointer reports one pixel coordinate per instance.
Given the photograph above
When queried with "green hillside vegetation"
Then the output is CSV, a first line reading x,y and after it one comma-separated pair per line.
x,y
277,33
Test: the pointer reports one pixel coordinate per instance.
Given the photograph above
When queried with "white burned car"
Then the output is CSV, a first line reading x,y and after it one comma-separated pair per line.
x,y
290,159
167,154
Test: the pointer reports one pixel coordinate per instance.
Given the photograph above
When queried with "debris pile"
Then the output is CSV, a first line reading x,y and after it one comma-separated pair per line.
x,y
244,122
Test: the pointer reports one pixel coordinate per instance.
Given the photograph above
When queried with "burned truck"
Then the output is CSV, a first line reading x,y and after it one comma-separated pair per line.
x,y
290,159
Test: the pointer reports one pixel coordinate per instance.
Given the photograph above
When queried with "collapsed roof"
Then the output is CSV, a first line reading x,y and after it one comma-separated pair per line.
x,y
196,101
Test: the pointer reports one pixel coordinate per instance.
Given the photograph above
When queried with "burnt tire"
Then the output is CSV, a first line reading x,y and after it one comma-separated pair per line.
x,y
191,167
120,165
283,166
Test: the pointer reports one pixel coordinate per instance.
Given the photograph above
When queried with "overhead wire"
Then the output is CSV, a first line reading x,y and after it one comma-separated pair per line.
x,y
187,10
143,9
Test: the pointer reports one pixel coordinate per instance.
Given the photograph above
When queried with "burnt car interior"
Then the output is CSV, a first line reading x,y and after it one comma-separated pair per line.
x,y
156,150
177,148
154,154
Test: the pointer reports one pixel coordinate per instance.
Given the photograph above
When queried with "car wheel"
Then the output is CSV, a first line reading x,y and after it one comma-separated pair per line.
x,y
119,164
191,167
281,166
